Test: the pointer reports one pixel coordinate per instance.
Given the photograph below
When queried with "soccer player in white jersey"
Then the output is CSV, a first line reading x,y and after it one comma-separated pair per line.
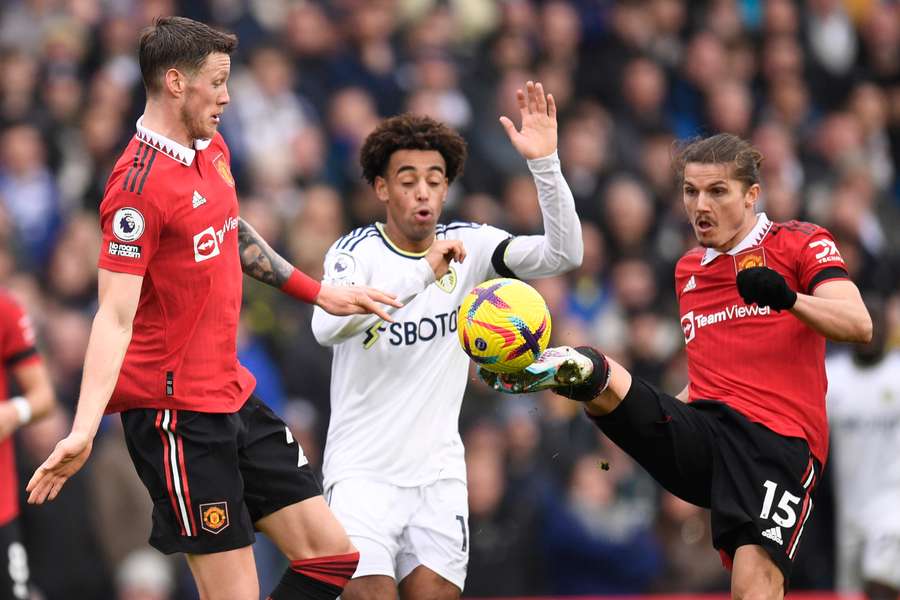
x,y
394,469
864,416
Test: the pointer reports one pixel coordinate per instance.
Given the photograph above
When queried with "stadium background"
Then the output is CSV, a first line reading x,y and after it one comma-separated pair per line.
x,y
814,84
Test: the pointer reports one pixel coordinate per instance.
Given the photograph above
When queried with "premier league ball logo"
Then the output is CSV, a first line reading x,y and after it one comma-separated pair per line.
x,y
128,224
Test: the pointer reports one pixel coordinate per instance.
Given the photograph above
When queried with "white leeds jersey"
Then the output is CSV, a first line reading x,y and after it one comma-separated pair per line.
x,y
864,418
396,388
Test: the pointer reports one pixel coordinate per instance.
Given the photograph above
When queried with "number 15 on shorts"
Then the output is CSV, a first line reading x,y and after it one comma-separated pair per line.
x,y
785,514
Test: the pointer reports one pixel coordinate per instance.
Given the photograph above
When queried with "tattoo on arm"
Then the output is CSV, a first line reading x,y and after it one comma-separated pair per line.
x,y
258,260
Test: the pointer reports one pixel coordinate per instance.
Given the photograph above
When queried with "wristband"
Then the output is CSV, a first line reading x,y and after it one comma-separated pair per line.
x,y
302,286
23,407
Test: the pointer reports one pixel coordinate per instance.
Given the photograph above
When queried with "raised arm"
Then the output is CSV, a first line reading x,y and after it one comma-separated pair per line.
x,y
261,262
836,310
110,336
561,248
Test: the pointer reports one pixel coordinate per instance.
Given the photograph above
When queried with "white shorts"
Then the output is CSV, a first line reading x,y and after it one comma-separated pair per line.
x,y
396,529
867,556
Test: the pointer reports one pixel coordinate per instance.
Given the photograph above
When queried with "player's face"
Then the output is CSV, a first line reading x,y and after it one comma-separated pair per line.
x,y
719,208
413,188
205,96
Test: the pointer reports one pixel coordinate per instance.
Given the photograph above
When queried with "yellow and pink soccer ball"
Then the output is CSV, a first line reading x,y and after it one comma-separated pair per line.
x,y
504,325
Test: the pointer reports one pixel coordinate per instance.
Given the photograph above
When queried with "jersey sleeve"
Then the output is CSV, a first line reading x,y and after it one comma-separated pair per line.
x,y
131,226
487,246
17,335
819,261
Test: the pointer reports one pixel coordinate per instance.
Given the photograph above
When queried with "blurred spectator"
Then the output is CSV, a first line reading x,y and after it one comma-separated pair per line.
x,y
692,566
502,530
29,193
597,537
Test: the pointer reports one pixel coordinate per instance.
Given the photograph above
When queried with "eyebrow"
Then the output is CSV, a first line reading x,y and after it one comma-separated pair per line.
x,y
404,168
716,182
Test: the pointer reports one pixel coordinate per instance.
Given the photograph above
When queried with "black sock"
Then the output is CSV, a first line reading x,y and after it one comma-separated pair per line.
x,y
595,384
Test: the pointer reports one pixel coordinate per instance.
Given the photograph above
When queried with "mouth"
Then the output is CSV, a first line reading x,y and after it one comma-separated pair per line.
x,y
422,215
216,118
703,224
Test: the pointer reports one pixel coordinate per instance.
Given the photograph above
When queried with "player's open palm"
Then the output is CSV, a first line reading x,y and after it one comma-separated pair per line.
x,y
67,458
537,137
343,300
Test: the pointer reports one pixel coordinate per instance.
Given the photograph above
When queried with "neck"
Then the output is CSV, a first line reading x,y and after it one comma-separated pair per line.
x,y
404,243
164,121
743,232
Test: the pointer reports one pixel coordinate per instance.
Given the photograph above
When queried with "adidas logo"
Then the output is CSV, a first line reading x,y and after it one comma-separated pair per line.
x,y
774,534
690,285
197,199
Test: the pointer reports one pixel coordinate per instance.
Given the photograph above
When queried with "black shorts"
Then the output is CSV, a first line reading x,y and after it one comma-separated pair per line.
x,y
212,475
13,563
757,484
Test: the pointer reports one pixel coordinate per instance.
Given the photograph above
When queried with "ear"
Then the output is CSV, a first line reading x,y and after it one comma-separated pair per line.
x,y
381,189
175,82
751,195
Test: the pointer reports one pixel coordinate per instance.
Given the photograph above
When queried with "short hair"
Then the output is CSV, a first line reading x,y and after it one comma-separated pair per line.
x,y
411,132
181,43
742,158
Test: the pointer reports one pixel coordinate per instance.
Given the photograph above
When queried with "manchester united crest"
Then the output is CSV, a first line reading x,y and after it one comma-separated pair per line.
x,y
214,516
222,167
754,257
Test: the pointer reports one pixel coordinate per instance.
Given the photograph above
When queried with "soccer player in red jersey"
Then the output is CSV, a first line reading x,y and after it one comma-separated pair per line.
x,y
20,359
217,462
748,436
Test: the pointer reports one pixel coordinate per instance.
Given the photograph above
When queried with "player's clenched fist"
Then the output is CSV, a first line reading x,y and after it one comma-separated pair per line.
x,y
441,253
765,287
355,300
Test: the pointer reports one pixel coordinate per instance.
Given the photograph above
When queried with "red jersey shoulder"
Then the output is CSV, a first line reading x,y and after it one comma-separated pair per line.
x,y
805,239
689,261
138,170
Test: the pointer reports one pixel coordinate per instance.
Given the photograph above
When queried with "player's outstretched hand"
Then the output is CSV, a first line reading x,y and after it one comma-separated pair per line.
x,y
765,287
441,253
66,459
355,300
537,138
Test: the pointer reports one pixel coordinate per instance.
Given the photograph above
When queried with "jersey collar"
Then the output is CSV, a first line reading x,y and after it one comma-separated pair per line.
x,y
169,147
753,238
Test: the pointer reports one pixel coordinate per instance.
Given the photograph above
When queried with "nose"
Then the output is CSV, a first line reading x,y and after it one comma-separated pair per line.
x,y
704,203
224,98
422,190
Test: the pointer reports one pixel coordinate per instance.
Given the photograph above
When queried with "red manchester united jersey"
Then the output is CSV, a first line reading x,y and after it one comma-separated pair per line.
x,y
16,349
765,364
170,214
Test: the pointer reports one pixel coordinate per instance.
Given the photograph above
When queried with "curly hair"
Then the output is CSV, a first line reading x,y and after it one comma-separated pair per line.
x,y
411,132
743,159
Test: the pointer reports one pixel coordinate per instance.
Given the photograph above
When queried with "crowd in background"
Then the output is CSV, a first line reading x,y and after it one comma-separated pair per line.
x,y
555,508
